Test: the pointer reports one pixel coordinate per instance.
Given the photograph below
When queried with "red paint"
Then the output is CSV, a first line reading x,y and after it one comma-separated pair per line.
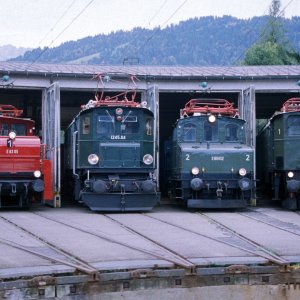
x,y
21,156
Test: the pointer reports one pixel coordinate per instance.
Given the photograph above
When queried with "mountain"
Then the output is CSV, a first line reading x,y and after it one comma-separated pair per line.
x,y
9,51
199,41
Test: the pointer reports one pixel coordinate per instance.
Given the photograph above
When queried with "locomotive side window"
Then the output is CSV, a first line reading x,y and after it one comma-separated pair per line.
x,y
231,132
19,129
86,122
4,129
293,125
105,125
189,133
149,126
210,131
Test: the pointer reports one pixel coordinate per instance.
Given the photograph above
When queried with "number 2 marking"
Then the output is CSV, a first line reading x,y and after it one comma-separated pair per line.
x,y
187,157
247,157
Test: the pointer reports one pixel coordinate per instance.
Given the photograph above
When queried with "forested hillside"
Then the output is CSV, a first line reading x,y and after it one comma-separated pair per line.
x,y
200,41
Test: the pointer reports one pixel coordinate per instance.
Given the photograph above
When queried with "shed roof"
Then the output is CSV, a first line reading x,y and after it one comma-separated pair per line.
x,y
153,71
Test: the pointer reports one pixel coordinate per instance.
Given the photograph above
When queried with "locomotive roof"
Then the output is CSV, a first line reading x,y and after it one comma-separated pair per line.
x,y
8,118
114,107
193,118
209,106
86,110
291,106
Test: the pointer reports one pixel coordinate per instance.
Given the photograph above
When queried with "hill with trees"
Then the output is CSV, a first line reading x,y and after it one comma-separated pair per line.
x,y
199,41
273,47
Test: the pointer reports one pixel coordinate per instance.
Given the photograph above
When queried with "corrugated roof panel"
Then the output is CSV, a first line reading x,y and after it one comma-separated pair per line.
x,y
156,71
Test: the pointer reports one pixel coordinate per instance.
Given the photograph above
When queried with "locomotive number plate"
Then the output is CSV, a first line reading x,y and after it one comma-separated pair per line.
x,y
220,158
118,137
12,151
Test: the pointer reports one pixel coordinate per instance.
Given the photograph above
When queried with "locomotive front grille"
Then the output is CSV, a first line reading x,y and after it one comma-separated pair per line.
x,y
120,155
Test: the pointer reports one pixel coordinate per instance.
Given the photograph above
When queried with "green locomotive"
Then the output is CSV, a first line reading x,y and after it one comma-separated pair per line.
x,y
209,164
110,157
278,158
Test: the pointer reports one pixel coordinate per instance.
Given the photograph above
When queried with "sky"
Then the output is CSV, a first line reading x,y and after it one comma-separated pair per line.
x,y
48,23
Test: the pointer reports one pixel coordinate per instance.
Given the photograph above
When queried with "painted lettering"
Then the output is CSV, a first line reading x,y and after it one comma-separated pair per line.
x,y
12,151
118,137
220,158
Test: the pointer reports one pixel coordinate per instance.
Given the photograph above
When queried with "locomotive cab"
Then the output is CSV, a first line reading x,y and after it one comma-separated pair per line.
x,y
111,156
23,168
279,161
212,167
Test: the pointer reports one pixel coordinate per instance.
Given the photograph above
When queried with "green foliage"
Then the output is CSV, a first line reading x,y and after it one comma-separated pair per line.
x,y
273,47
205,41
269,53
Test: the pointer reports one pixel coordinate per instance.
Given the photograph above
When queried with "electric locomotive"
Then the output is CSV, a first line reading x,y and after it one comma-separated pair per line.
x,y
110,155
278,159
208,162
25,173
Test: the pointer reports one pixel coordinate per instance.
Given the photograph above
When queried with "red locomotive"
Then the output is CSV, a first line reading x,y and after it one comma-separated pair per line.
x,y
25,173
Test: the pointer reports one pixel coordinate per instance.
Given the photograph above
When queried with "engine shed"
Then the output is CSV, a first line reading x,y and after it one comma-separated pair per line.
x,y
52,95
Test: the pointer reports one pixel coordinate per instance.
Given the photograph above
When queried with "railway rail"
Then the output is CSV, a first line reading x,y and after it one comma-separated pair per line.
x,y
250,247
151,250
162,252
235,240
177,256
69,258
271,221
260,249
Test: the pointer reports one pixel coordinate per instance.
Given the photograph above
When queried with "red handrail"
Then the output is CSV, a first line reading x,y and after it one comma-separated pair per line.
x,y
117,100
10,111
292,104
206,106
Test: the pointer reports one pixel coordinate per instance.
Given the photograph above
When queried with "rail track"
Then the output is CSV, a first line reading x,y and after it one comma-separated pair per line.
x,y
158,249
68,258
260,249
237,241
249,246
271,221
161,253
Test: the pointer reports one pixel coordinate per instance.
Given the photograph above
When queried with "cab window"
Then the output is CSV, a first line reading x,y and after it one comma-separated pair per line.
x,y
293,125
4,129
231,132
86,124
105,125
19,129
149,126
189,133
130,124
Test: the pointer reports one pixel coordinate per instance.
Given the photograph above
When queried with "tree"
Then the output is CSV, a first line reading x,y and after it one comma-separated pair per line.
x,y
273,48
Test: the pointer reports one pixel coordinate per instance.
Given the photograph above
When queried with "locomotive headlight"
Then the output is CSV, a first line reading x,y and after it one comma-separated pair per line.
x,y
245,184
195,171
242,171
12,135
93,159
119,111
37,174
290,174
211,119
148,159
